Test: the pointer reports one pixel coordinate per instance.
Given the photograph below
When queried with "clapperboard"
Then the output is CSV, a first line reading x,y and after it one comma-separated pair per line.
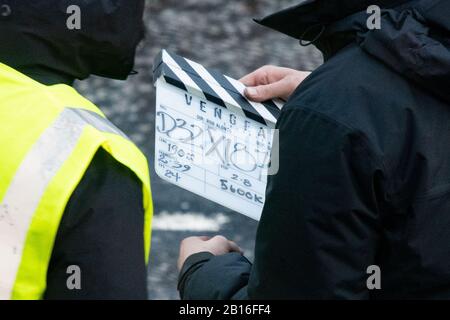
x,y
210,139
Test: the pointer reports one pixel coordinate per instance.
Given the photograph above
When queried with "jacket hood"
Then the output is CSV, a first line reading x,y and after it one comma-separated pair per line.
x,y
34,35
414,38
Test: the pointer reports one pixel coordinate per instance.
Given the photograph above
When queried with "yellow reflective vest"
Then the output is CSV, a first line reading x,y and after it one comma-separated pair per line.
x,y
48,137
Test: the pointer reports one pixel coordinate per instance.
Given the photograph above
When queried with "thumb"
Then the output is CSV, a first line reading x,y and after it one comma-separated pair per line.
x,y
234,247
280,89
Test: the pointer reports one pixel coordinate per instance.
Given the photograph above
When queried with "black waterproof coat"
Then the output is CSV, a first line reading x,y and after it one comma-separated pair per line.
x,y
364,173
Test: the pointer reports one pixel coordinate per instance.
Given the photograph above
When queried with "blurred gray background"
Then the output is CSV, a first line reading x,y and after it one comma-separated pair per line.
x,y
218,34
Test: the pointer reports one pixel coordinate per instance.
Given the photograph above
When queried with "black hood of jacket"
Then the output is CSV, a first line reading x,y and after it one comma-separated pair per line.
x,y
414,38
34,36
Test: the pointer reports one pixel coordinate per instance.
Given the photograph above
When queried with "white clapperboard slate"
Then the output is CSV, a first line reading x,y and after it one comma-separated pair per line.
x,y
210,139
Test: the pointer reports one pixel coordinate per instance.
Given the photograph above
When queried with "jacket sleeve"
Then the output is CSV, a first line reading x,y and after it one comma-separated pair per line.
x,y
101,232
319,229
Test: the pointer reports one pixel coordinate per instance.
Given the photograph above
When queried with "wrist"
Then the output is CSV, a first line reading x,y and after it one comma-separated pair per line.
x,y
190,265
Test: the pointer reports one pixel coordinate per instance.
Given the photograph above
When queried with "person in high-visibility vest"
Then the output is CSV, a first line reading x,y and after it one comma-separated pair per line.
x,y
75,199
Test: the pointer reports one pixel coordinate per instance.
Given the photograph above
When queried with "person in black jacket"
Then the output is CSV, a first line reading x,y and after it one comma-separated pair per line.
x,y
102,227
364,170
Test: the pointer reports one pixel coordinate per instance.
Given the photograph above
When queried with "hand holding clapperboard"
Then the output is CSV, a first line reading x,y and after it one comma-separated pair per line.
x,y
210,139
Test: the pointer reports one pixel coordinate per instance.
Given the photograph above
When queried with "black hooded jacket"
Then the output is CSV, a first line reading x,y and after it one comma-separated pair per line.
x,y
101,229
364,173
36,37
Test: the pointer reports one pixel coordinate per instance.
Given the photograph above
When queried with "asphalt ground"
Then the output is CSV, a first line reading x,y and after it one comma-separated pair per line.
x,y
218,34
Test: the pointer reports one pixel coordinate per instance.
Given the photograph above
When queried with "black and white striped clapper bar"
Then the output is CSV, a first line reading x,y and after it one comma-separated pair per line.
x,y
210,139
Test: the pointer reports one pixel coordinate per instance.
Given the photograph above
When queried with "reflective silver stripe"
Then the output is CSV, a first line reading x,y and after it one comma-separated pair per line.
x,y
32,178
98,122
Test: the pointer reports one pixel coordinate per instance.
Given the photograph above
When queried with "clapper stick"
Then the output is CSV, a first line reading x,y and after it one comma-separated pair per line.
x,y
210,139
